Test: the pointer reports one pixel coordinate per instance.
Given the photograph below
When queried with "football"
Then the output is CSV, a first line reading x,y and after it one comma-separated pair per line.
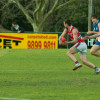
x,y
62,40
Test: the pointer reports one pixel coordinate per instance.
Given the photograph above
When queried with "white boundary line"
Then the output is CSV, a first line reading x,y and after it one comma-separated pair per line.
x,y
5,98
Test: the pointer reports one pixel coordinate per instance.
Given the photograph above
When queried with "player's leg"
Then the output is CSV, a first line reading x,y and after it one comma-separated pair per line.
x,y
83,55
89,64
94,50
85,62
70,54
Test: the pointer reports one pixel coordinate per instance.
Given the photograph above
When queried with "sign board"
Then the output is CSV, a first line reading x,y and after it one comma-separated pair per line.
x,y
28,41
90,42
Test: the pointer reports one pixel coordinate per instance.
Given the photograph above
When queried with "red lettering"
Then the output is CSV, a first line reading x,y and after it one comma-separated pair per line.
x,y
34,44
45,44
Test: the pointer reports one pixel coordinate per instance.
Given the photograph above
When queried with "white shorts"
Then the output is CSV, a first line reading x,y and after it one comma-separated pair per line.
x,y
81,48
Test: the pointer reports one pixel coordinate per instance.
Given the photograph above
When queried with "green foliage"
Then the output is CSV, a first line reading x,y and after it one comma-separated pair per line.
x,y
97,7
10,13
77,11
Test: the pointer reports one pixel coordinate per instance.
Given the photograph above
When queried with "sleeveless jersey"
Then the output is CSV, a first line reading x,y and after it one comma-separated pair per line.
x,y
71,35
96,29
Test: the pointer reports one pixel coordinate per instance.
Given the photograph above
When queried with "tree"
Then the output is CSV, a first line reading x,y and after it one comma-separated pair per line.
x,y
97,7
77,12
8,13
90,12
39,14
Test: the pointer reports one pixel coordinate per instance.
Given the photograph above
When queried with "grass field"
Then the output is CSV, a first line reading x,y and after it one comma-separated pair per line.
x,y
46,75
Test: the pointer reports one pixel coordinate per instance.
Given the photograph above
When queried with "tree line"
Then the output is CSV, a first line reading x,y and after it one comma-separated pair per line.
x,y
46,15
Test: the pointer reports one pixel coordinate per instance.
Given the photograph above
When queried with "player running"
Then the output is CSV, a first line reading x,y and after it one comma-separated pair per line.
x,y
96,46
79,46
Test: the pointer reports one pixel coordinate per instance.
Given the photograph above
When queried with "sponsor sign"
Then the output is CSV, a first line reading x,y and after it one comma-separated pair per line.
x,y
28,41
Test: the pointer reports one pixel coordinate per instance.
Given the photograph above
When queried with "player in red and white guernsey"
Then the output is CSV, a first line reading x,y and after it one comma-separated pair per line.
x,y
79,46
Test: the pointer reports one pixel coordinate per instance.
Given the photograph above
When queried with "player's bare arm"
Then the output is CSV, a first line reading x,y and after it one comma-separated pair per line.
x,y
93,36
75,36
93,32
63,34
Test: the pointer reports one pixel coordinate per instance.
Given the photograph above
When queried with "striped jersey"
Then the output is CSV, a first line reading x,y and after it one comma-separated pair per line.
x,y
70,33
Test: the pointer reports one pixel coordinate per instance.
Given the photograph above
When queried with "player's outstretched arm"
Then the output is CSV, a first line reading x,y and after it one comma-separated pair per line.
x,y
94,36
63,34
93,32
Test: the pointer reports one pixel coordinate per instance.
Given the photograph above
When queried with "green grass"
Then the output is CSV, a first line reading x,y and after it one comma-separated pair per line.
x,y
46,75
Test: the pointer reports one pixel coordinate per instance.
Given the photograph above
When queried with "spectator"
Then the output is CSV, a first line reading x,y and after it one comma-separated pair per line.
x,y
16,28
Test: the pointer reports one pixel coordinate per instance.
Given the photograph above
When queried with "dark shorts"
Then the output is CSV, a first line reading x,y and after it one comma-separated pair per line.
x,y
97,43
